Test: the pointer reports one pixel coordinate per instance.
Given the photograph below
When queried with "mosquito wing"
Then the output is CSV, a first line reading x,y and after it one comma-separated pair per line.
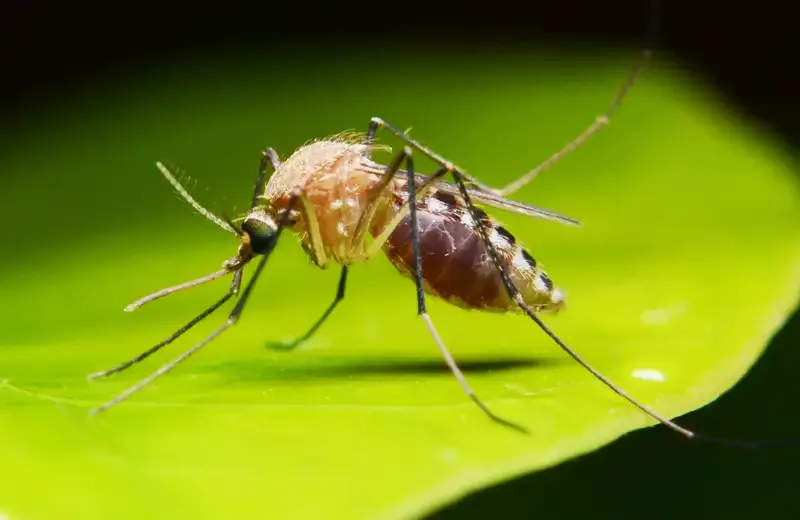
x,y
484,197
497,201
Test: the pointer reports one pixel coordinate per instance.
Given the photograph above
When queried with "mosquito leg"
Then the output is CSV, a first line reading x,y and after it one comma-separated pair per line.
x,y
317,252
449,166
404,210
268,156
305,337
364,221
370,138
237,279
233,318
274,160
601,121
383,188
513,292
377,122
422,308
316,249
515,295
176,288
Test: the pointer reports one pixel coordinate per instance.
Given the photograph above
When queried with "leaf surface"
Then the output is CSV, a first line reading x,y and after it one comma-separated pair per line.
x,y
688,261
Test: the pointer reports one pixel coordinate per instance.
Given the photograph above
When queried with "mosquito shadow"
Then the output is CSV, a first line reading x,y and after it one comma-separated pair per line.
x,y
375,367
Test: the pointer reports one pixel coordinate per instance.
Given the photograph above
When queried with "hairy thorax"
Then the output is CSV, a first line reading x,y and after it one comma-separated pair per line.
x,y
328,173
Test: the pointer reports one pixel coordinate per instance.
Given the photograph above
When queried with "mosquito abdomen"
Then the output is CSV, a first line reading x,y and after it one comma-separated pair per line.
x,y
456,265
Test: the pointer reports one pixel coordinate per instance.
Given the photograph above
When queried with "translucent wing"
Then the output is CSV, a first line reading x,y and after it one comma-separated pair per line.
x,y
482,197
497,201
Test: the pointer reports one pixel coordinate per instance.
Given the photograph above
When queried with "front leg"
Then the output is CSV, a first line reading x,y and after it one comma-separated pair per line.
x,y
276,345
315,248
268,156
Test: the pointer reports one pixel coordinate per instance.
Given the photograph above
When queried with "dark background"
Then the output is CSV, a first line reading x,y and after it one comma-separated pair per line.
x,y
751,51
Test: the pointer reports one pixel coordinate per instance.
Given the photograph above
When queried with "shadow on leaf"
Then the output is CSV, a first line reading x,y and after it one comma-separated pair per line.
x,y
247,370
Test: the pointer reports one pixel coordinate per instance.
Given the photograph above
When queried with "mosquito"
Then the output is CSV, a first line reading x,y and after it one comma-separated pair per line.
x,y
345,208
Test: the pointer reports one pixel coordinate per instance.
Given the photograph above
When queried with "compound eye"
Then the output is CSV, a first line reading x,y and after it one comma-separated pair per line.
x,y
261,234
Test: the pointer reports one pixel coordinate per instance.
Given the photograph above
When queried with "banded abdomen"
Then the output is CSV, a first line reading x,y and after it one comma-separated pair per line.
x,y
456,265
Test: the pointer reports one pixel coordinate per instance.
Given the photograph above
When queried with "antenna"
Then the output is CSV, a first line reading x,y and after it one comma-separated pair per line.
x,y
196,205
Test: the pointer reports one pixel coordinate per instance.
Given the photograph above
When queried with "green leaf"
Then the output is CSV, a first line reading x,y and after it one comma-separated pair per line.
x,y
688,261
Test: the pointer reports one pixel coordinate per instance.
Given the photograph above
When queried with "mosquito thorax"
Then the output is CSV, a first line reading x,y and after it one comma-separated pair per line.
x,y
258,231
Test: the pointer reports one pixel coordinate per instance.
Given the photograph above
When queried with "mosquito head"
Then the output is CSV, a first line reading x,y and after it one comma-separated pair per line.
x,y
258,232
